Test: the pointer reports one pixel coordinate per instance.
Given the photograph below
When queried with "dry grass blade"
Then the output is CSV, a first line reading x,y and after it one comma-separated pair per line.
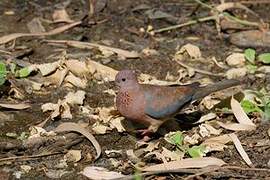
x,y
15,106
239,113
237,126
10,37
75,127
240,149
186,163
232,5
86,45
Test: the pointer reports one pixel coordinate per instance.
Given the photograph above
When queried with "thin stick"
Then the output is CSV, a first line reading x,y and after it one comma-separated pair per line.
x,y
208,18
199,70
29,157
255,2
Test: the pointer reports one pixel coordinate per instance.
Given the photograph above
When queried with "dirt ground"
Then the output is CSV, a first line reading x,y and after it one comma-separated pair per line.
x,y
118,24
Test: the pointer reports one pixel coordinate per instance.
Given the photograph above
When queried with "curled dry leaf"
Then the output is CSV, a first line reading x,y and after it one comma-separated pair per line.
x,y
239,113
235,73
192,50
17,106
186,163
99,173
60,15
76,98
76,81
73,155
236,126
172,155
39,132
194,139
216,143
116,123
79,68
35,26
236,59
48,68
77,128
240,149
207,130
58,77
207,117
100,71
99,128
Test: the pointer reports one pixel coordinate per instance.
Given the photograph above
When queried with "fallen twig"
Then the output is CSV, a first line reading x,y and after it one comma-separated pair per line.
x,y
10,37
27,158
86,45
209,18
199,70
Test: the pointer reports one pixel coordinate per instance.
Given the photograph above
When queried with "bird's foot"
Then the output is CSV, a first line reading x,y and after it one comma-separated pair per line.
x,y
146,133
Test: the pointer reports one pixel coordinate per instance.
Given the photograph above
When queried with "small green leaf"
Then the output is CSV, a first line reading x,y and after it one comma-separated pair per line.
x,y
251,68
266,114
196,151
250,55
265,58
24,72
249,106
3,73
175,138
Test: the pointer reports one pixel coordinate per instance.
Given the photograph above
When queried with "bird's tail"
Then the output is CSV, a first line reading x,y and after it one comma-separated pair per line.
x,y
206,90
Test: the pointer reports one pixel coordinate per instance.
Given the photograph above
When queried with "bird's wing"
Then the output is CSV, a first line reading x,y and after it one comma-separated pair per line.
x,y
164,101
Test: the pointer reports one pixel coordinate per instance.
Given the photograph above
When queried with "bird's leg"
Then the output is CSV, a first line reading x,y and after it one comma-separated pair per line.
x,y
154,125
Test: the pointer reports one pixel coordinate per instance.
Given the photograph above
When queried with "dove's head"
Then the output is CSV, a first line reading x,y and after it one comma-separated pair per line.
x,y
126,79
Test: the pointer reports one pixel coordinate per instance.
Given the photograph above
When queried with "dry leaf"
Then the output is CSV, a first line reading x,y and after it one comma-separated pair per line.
x,y
60,15
116,123
100,128
99,173
235,73
194,139
80,83
239,113
207,117
192,50
236,59
65,111
209,102
172,155
36,132
75,98
216,143
17,106
79,68
73,156
186,163
77,128
236,126
48,68
207,130
35,26
101,72
240,149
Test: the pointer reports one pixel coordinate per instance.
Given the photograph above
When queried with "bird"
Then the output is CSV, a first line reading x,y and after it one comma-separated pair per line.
x,y
152,105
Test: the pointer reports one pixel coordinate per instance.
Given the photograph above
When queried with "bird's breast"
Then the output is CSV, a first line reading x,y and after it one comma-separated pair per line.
x,y
130,104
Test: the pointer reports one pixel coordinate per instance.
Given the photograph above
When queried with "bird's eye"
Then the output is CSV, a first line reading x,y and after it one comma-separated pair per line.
x,y
123,79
